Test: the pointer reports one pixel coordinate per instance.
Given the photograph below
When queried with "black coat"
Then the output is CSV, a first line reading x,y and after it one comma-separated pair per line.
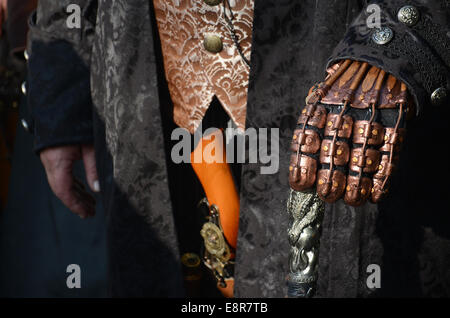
x,y
112,67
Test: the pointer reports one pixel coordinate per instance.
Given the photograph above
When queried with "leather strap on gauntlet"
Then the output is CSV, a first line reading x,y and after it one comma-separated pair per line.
x,y
349,134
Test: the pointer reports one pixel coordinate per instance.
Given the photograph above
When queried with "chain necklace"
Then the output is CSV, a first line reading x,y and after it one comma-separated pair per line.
x,y
229,20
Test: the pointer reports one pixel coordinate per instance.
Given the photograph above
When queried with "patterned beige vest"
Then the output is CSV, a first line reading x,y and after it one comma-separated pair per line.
x,y
193,73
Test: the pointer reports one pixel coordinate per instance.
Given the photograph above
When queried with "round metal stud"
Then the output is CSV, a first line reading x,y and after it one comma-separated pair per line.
x,y
408,15
190,260
23,87
213,43
25,55
382,35
439,96
212,2
25,125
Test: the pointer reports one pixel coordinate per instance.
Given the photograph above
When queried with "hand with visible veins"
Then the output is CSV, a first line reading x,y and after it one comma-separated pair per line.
x,y
349,134
58,163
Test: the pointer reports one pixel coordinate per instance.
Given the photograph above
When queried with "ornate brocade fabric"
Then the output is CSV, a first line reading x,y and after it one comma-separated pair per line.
x,y
195,75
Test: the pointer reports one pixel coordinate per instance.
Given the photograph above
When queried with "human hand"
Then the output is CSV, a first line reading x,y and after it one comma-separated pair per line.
x,y
58,163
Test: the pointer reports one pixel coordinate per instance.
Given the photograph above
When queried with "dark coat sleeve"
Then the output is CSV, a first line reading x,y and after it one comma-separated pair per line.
x,y
417,54
58,85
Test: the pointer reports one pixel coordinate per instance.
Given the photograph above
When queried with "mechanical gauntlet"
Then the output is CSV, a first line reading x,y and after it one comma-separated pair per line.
x,y
349,134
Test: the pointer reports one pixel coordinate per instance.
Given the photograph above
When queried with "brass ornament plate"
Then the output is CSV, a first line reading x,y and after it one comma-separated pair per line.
x,y
215,242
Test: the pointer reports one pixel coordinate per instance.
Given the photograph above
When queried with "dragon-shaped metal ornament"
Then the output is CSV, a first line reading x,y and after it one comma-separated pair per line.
x,y
306,210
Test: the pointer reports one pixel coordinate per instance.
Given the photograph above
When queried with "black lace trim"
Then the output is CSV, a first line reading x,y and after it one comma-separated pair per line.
x,y
431,32
430,68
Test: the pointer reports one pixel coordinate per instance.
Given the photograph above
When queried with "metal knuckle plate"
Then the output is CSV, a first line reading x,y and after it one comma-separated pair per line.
x,y
368,161
309,141
302,174
374,133
345,130
341,152
330,190
357,190
377,191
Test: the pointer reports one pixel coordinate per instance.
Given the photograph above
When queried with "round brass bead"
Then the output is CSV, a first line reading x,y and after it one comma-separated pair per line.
x,y
330,123
321,182
374,132
355,159
213,43
339,152
325,148
361,130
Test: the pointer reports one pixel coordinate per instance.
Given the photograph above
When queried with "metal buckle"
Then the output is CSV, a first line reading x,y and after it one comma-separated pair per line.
x,y
217,252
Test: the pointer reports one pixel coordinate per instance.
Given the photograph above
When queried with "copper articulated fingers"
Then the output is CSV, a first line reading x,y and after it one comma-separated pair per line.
x,y
349,134
308,136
